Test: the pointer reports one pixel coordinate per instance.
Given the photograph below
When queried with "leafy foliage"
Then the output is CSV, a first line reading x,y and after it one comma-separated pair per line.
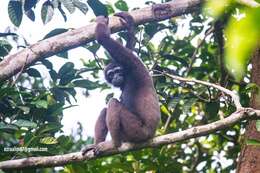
x,y
31,112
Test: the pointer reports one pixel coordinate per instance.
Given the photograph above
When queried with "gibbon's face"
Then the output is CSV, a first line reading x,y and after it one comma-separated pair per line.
x,y
115,76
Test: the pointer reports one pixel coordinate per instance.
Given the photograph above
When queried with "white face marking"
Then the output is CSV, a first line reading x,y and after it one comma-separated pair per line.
x,y
113,70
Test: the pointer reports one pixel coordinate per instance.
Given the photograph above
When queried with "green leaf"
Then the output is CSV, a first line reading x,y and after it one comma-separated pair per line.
x,y
165,110
110,9
41,104
5,48
28,4
47,64
47,12
25,123
98,7
66,68
188,104
48,140
93,47
62,12
8,127
63,54
257,125
15,12
55,32
25,109
30,14
212,108
68,4
153,27
252,87
53,74
240,43
85,84
173,102
49,128
81,6
216,8
253,142
176,58
33,72
121,5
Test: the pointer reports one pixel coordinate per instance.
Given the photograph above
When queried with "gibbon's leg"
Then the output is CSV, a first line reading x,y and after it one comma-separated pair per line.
x,y
100,132
124,125
101,127
113,121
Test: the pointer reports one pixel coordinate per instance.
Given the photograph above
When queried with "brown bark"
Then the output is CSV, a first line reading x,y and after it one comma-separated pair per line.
x,y
249,160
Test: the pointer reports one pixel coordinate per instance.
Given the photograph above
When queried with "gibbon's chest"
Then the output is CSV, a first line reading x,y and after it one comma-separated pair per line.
x,y
135,97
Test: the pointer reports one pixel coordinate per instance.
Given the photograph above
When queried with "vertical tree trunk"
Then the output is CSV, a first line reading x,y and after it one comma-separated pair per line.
x,y
249,160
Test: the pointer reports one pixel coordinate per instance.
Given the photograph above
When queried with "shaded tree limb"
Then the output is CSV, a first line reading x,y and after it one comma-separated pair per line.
x,y
59,160
12,64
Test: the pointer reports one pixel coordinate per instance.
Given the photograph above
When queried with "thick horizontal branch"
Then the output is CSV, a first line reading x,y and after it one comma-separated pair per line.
x,y
59,160
12,64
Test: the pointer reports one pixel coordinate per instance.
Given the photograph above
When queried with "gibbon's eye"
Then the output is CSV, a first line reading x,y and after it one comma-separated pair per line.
x,y
110,74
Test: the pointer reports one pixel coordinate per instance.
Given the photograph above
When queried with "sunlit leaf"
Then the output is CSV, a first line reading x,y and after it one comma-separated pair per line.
x,y
121,5
253,142
242,38
48,140
41,104
110,9
165,110
216,8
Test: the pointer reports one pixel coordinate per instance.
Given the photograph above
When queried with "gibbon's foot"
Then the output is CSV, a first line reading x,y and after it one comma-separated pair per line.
x,y
98,148
127,20
102,19
88,148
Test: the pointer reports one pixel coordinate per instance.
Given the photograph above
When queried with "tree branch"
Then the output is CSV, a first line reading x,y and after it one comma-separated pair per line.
x,y
77,37
59,160
233,95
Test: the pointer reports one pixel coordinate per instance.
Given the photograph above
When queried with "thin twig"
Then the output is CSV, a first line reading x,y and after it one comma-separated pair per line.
x,y
234,96
193,57
97,61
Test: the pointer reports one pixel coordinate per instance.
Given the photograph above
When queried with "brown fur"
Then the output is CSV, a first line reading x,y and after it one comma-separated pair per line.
x,y
135,117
